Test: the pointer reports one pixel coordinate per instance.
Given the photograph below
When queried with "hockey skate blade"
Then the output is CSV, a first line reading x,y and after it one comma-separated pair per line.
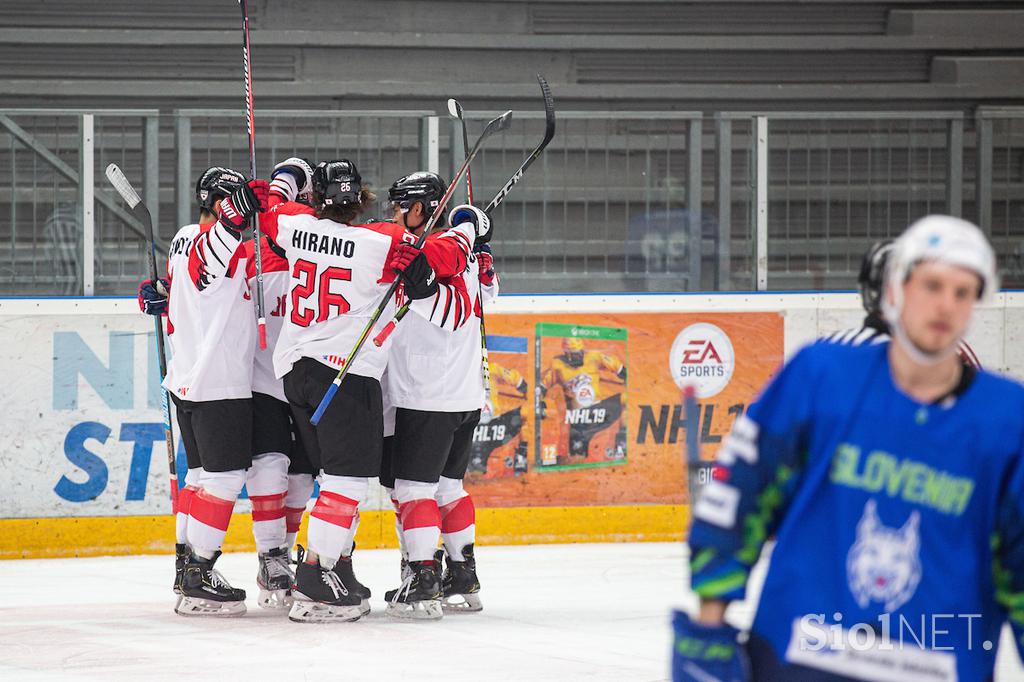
x,y
197,606
275,600
304,611
428,609
364,607
462,603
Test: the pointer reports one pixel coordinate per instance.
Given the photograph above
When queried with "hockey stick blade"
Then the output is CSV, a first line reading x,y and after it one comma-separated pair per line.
x,y
454,108
123,187
494,126
549,133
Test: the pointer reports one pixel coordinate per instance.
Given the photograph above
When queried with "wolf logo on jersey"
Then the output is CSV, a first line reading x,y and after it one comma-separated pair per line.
x,y
884,563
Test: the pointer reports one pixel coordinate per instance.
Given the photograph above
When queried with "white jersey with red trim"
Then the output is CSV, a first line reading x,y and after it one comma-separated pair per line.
x,y
435,360
211,322
275,300
338,274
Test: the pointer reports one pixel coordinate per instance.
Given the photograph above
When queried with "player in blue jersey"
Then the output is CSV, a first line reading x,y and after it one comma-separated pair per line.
x,y
891,476
875,329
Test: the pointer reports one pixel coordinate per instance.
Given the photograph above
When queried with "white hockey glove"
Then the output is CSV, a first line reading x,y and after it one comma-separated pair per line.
x,y
470,214
293,179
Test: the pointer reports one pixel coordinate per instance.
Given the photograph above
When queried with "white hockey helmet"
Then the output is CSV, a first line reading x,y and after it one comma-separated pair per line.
x,y
943,239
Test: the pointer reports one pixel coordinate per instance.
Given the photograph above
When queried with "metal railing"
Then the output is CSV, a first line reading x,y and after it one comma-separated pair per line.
x,y
620,201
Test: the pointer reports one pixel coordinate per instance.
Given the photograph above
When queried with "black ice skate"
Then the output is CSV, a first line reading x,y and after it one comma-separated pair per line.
x,y
460,586
275,579
344,570
321,596
205,592
181,552
419,595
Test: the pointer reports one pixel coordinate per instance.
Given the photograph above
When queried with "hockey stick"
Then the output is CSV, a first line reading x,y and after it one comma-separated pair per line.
x,y
141,212
250,122
549,133
496,125
455,109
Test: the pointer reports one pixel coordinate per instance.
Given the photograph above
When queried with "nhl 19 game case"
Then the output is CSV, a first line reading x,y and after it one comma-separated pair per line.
x,y
580,396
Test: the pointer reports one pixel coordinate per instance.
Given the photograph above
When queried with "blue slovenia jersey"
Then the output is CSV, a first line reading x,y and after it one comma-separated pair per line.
x,y
899,525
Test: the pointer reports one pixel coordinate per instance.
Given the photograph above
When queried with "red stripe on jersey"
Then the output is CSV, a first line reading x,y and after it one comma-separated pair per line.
x,y
210,509
293,518
272,262
267,507
335,509
446,256
458,515
462,239
419,514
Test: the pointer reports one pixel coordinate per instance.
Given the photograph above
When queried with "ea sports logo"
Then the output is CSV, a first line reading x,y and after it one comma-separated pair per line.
x,y
702,355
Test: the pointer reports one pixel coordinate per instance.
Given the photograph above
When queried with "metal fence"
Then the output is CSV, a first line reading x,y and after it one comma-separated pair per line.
x,y
620,201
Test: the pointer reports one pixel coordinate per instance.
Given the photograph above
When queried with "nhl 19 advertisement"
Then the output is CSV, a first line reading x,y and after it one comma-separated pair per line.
x,y
580,396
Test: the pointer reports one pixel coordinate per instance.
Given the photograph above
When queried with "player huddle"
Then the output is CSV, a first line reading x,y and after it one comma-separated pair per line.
x,y
405,411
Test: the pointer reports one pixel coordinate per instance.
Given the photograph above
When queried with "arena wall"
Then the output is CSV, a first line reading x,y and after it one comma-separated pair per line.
x,y
82,455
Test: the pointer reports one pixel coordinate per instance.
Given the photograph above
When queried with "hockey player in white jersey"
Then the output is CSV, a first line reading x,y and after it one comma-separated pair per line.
x,y
892,477
212,331
434,382
875,329
339,271
280,480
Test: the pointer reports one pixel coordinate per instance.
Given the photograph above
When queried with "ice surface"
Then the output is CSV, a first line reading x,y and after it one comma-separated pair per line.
x,y
551,612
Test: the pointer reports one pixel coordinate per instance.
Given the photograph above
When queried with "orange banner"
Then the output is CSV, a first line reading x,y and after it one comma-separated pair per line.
x,y
588,409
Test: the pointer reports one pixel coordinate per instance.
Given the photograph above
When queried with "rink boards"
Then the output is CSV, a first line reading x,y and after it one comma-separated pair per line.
x,y
83,458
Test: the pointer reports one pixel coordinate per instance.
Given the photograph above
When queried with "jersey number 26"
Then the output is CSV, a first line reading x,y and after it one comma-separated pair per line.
x,y
304,273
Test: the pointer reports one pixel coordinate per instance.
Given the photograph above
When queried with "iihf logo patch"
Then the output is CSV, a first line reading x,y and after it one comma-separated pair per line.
x,y
884,564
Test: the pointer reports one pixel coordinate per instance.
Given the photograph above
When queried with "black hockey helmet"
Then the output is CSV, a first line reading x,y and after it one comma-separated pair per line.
x,y
422,186
336,183
872,275
215,183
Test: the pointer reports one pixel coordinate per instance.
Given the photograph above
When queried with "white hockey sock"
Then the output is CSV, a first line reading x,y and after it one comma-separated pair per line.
x,y
458,517
267,483
420,518
332,521
351,542
184,503
210,510
300,488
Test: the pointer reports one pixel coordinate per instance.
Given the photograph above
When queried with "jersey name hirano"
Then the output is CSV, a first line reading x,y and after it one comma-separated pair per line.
x,y
586,415
322,243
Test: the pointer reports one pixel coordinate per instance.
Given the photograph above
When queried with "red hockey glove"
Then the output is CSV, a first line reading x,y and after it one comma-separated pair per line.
x,y
486,262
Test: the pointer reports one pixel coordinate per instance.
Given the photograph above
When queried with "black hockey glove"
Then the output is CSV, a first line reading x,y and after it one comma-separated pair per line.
x,y
419,278
248,199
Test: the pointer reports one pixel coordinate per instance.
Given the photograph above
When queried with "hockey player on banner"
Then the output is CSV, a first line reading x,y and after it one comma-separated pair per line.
x,y
339,271
892,477
280,480
875,329
435,386
212,333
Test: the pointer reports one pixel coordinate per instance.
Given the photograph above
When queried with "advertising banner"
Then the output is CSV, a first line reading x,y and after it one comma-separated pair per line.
x,y
585,409
603,397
